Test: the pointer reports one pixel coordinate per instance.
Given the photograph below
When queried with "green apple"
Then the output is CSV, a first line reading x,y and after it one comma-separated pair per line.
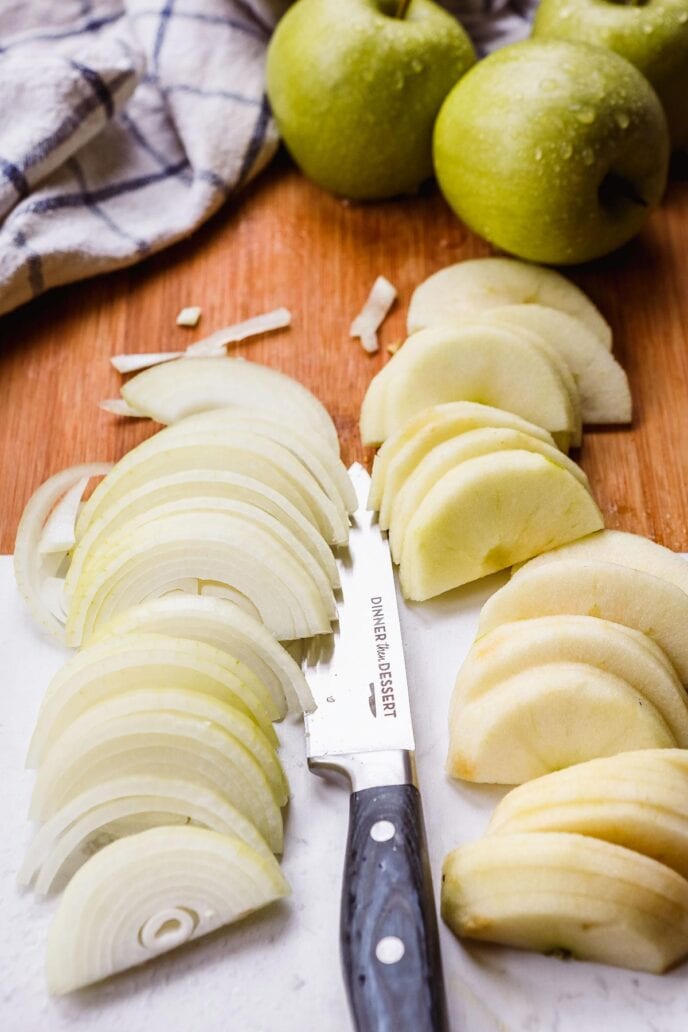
x,y
553,151
355,89
651,34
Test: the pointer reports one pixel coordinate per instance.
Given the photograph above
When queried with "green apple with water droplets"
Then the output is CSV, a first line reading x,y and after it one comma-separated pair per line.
x,y
553,151
651,34
355,89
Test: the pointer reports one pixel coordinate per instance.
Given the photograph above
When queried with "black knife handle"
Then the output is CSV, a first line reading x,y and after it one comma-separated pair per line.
x,y
389,938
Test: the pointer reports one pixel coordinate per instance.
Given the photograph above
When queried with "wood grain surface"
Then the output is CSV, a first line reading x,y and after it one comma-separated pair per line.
x,y
285,242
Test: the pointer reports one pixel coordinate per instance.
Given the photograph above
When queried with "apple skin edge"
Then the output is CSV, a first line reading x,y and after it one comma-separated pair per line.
x,y
553,151
355,91
652,35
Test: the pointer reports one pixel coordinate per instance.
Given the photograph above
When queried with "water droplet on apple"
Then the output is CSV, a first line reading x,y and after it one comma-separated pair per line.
x,y
622,119
538,153
588,156
586,115
566,150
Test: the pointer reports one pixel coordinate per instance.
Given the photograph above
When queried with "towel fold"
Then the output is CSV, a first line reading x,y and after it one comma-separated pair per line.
x,y
127,123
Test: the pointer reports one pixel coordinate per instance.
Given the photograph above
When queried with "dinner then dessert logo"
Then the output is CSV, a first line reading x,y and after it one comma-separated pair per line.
x,y
389,708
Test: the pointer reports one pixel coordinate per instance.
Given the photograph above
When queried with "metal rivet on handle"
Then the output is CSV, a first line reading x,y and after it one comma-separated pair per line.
x,y
390,950
382,831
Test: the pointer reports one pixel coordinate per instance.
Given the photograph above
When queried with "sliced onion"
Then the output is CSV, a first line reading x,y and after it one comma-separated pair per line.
x,y
110,810
31,568
224,625
145,562
164,742
370,318
149,893
189,316
170,451
317,456
135,362
153,695
264,323
193,484
59,532
177,389
216,590
112,666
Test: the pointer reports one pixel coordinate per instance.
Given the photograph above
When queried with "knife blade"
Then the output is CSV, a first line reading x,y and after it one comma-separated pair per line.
x,y
361,728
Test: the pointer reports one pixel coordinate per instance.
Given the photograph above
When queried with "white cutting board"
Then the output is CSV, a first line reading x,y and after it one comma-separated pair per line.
x,y
279,971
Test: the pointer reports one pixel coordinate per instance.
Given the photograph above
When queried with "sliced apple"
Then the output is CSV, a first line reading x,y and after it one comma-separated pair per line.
x,y
233,451
484,513
570,894
223,625
602,384
315,453
636,799
632,550
480,363
115,665
405,449
446,457
172,391
482,283
549,717
590,588
118,911
192,484
164,742
210,546
120,807
513,648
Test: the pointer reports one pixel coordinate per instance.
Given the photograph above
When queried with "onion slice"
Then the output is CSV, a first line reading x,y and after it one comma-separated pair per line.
x,y
114,665
378,303
263,323
226,626
141,360
118,912
31,568
119,807
171,391
92,750
189,316
59,532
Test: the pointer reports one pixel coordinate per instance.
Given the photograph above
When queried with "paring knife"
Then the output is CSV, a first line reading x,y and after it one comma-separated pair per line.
x,y
362,729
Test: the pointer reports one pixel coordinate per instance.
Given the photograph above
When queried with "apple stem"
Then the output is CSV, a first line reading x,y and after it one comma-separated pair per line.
x,y
402,8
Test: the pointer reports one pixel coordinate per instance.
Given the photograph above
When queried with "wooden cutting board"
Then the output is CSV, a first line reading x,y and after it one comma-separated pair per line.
x,y
285,242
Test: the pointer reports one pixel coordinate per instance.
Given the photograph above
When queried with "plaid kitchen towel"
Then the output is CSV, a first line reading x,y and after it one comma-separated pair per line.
x,y
124,124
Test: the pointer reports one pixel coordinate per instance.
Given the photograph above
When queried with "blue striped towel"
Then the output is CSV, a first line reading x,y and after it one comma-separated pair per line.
x,y
124,124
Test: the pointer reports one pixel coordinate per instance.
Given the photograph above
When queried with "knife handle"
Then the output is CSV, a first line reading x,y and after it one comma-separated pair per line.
x,y
389,938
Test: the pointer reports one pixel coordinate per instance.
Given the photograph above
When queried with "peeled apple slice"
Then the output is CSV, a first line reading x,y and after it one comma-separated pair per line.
x,y
482,283
636,799
118,911
485,515
549,717
473,362
32,568
172,391
246,513
446,457
231,450
115,665
571,894
223,625
602,384
120,807
165,742
316,455
514,648
590,588
632,550
404,450
209,546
